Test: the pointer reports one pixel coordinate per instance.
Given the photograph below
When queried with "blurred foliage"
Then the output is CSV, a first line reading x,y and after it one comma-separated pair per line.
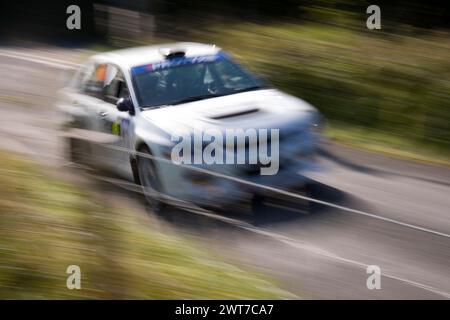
x,y
47,225
429,14
383,83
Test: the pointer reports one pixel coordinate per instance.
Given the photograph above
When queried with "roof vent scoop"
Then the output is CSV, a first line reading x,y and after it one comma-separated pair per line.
x,y
172,53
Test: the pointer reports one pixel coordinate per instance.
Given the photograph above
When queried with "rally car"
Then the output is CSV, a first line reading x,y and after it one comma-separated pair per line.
x,y
123,109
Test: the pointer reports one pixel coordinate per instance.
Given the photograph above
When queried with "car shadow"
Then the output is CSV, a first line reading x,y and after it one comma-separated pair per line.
x,y
275,209
347,163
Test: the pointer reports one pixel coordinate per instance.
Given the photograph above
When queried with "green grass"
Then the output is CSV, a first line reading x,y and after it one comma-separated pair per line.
x,y
47,225
389,145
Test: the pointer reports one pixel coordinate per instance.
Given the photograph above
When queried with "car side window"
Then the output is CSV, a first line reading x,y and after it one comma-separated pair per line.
x,y
93,85
115,86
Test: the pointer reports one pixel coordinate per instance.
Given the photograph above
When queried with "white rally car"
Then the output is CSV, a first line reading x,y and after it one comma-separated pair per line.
x,y
124,104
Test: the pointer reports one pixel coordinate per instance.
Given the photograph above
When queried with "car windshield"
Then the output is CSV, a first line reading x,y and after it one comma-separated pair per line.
x,y
180,80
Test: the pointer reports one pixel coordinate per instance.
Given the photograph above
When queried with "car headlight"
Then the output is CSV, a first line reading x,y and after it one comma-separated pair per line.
x,y
317,123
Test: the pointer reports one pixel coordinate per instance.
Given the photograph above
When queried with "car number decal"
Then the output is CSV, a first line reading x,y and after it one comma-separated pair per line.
x,y
115,128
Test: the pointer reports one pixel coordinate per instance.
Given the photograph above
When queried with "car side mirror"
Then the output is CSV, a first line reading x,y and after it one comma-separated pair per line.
x,y
125,105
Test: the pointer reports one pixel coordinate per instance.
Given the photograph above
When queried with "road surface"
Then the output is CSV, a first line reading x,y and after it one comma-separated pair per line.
x,y
400,219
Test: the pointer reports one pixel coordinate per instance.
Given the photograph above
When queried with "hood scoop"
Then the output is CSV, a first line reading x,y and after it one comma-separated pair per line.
x,y
235,114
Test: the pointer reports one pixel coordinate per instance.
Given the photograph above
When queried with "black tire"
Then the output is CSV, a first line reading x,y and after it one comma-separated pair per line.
x,y
258,209
149,181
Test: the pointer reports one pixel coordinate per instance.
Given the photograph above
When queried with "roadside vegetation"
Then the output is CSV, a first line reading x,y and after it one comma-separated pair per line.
x,y
47,225
385,91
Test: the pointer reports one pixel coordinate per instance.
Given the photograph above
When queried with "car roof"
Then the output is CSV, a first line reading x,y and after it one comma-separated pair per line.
x,y
139,56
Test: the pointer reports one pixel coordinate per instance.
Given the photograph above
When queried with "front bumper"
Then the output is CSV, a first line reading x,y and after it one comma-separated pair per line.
x,y
211,190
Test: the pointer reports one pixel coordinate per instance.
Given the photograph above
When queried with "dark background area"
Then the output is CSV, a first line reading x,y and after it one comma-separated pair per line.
x,y
25,18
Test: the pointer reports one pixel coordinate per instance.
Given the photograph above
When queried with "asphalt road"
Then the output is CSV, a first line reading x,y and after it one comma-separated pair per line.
x,y
402,224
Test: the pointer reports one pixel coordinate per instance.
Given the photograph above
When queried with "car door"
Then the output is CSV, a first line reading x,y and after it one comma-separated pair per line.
x,y
84,100
114,152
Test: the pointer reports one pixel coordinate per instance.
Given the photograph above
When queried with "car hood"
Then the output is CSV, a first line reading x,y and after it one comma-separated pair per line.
x,y
268,108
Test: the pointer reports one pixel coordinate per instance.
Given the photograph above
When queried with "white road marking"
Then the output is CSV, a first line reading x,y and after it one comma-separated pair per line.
x,y
283,192
51,62
275,236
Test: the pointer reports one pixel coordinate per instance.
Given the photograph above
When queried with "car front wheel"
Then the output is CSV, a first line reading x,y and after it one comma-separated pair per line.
x,y
149,179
